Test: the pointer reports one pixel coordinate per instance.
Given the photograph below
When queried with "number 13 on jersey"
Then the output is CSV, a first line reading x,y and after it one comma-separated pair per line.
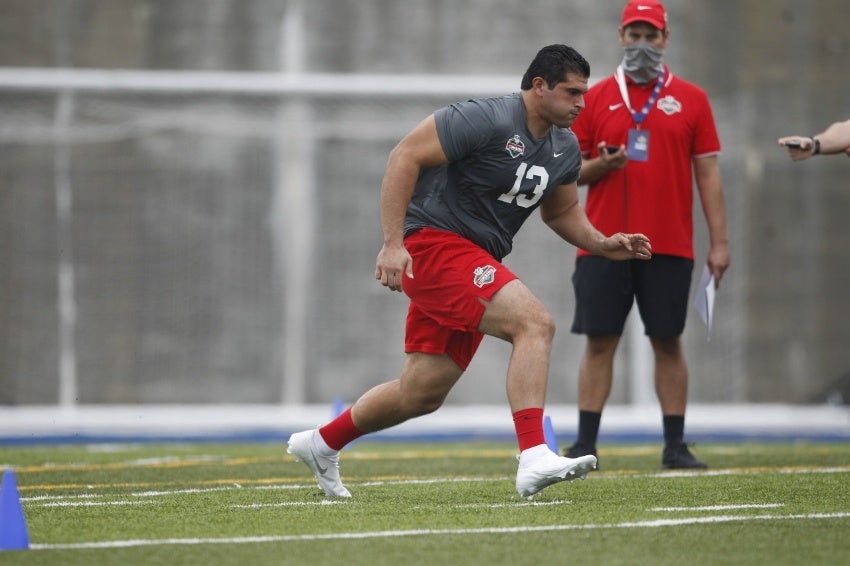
x,y
525,172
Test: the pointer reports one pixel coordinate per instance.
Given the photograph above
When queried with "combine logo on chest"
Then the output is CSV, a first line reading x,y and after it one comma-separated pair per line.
x,y
669,105
484,275
515,146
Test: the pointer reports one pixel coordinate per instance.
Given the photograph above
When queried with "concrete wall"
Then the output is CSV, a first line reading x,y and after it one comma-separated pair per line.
x,y
179,242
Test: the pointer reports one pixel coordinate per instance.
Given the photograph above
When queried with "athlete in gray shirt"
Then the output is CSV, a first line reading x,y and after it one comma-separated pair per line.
x,y
487,200
455,191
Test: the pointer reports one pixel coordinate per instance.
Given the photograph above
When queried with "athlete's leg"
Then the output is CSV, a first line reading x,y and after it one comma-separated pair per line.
x,y
425,381
516,315
422,387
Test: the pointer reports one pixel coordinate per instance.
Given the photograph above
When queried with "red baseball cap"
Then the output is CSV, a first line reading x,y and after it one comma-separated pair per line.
x,y
649,11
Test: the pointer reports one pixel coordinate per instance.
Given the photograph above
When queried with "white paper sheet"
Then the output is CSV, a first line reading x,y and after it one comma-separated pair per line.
x,y
704,300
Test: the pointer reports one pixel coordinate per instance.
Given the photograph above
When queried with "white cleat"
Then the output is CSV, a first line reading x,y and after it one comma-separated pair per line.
x,y
549,469
325,468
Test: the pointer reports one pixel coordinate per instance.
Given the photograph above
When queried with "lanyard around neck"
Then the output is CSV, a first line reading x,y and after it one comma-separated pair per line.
x,y
638,117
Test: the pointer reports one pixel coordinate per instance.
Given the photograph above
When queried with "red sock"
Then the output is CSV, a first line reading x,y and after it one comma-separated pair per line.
x,y
529,428
340,431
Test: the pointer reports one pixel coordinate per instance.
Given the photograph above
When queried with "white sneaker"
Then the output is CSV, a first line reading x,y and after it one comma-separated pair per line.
x,y
325,468
549,469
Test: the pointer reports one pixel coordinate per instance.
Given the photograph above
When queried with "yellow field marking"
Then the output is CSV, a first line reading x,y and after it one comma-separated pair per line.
x,y
371,455
246,461
260,483
356,454
432,454
93,486
150,463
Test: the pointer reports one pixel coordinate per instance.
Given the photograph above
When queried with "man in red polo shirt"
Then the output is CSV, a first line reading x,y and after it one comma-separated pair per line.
x,y
645,134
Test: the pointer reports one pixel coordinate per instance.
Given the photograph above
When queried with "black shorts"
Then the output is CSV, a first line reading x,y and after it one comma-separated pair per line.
x,y
605,290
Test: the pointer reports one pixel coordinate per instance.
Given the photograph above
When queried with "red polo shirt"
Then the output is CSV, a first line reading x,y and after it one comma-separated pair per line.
x,y
653,197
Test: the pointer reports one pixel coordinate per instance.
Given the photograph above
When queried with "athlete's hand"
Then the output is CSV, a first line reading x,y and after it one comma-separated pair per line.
x,y
392,262
627,246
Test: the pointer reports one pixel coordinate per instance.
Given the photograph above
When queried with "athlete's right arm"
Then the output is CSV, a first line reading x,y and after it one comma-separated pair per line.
x,y
419,148
563,213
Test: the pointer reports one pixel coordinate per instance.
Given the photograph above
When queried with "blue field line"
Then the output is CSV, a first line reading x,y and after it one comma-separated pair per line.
x,y
268,436
21,426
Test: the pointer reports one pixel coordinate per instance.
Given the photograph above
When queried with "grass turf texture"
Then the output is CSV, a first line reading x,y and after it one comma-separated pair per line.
x,y
427,503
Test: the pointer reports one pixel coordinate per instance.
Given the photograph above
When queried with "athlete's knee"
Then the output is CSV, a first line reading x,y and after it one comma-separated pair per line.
x,y
426,382
429,403
423,401
533,319
545,325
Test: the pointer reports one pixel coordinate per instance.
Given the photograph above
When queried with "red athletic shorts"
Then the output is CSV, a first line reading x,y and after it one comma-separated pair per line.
x,y
450,275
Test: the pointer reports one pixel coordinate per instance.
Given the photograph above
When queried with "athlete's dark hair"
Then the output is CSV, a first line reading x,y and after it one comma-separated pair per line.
x,y
552,63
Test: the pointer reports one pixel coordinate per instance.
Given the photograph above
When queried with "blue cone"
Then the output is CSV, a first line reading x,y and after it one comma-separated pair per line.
x,y
549,434
13,527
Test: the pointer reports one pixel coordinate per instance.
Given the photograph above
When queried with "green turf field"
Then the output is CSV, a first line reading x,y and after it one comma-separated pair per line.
x,y
447,503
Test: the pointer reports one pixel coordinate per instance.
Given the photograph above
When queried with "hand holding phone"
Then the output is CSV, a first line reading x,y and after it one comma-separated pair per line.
x,y
792,145
612,149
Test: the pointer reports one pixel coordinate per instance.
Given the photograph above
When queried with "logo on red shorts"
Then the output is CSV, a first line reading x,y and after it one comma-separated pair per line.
x,y
484,275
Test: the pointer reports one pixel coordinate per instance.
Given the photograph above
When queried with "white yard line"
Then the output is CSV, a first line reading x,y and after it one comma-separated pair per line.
x,y
517,504
184,491
721,507
291,504
60,497
660,523
373,483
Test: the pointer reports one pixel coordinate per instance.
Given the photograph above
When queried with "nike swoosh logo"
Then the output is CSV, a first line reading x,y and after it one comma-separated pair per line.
x,y
614,106
315,461
559,154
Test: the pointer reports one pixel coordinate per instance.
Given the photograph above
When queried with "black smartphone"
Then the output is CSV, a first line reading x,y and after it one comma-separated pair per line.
x,y
793,145
612,148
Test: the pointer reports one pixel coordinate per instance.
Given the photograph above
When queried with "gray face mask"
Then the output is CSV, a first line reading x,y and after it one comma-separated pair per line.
x,y
642,61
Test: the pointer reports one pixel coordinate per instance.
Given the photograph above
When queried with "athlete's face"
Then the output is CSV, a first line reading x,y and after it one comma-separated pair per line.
x,y
565,100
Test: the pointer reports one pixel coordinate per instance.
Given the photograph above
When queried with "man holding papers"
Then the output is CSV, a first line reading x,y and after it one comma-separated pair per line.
x,y
645,135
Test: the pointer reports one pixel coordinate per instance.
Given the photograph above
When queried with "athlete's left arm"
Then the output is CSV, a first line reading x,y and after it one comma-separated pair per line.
x,y
710,187
563,213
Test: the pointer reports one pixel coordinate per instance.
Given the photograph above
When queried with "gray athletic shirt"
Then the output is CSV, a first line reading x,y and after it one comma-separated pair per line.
x,y
497,175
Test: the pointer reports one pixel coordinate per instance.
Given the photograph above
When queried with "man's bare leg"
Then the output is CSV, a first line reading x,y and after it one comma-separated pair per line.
x,y
425,381
514,314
